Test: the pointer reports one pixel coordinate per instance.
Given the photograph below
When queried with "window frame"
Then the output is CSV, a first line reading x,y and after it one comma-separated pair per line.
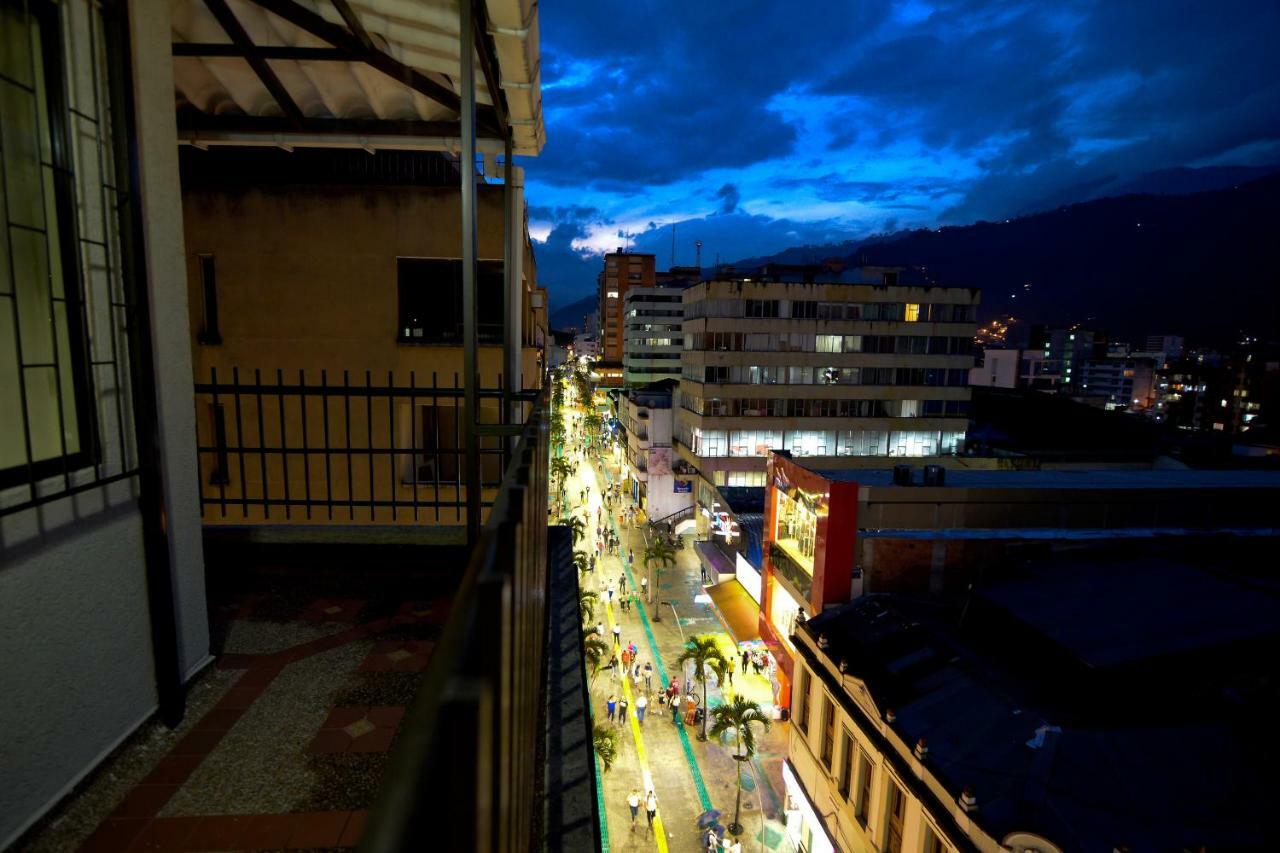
x,y
804,688
56,113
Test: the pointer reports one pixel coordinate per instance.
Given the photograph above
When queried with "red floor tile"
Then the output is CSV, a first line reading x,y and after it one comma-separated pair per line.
x,y
237,661
329,741
345,716
378,740
165,835
318,829
270,831
377,663
386,716
219,719
173,769
144,801
241,697
198,742
354,829
113,835
219,832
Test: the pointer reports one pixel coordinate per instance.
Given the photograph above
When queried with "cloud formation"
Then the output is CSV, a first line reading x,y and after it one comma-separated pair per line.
x,y
782,124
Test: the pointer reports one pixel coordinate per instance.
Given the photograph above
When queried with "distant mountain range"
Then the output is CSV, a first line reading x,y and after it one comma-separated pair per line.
x,y
1185,251
1204,264
570,316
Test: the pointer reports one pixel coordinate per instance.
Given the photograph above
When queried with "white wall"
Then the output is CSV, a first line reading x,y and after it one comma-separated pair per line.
x,y
75,646
76,661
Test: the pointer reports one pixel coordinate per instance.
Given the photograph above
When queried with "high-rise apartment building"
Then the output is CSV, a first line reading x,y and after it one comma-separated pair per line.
x,y
652,340
1065,350
622,271
872,361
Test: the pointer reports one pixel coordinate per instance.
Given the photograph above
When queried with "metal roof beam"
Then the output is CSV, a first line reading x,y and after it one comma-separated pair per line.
x,y
310,22
236,32
353,23
488,65
304,54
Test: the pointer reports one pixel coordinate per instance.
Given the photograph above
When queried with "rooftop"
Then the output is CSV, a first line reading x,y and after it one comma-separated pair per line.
x,y
1099,478
1149,771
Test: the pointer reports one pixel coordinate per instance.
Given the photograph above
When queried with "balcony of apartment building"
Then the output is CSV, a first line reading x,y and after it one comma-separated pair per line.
x,y
273,527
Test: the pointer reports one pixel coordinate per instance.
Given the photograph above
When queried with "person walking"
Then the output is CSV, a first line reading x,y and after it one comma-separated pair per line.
x,y
613,665
612,589
622,583
593,562
623,704
733,664
617,635
648,676
651,807
612,705
600,630
644,587
744,660
633,802
642,702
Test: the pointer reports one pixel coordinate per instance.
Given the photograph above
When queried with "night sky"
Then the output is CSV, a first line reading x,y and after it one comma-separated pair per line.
x,y
761,126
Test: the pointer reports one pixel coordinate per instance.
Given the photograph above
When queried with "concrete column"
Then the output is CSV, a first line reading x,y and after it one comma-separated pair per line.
x,y
150,35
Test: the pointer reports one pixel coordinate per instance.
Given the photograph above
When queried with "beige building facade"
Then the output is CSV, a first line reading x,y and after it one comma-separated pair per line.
x,y
835,365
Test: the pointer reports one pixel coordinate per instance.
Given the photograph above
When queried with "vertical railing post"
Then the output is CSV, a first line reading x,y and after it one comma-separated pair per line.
x,y
467,168
512,290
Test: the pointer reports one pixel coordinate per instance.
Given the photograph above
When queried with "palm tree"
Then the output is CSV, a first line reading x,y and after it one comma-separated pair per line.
x,y
704,653
739,717
577,527
587,601
581,561
658,553
560,469
605,740
594,649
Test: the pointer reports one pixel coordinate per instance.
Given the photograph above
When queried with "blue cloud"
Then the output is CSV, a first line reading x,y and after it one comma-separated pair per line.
x,y
829,121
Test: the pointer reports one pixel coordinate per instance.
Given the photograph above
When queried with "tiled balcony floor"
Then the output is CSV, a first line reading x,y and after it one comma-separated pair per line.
x,y
287,735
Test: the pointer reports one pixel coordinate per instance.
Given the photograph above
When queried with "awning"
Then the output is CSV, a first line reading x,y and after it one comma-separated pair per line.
x,y
355,73
736,609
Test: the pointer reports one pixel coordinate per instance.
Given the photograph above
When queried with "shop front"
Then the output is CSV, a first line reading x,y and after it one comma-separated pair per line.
x,y
808,559
804,827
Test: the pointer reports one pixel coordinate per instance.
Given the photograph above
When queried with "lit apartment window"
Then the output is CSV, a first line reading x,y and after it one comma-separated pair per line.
x,y
828,730
912,312
802,699
612,294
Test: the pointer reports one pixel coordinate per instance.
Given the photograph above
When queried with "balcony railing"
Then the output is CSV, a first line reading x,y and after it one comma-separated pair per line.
x,y
495,752
312,447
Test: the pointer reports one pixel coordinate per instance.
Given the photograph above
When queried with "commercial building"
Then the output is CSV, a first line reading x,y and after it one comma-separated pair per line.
x,y
654,473
832,535
652,318
824,362
622,271
1090,704
1065,350
1125,383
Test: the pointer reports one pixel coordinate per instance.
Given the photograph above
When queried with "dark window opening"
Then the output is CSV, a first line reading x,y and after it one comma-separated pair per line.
x,y
430,292
209,333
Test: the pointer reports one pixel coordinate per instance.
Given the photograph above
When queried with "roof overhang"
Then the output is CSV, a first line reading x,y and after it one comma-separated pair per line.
x,y
354,73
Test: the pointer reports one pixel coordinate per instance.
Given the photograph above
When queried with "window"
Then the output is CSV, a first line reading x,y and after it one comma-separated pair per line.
x,y
830,343
933,842
44,379
862,800
761,308
804,310
431,300
612,294
802,699
846,764
828,730
912,312
895,815
209,302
